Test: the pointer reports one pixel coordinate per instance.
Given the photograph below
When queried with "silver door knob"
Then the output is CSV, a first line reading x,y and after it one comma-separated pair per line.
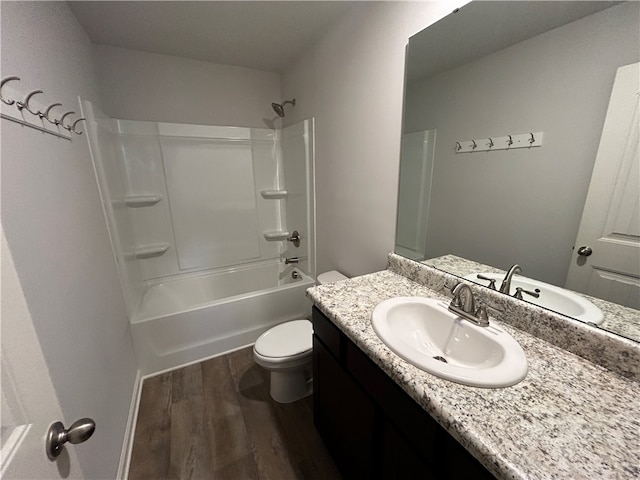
x,y
57,435
585,251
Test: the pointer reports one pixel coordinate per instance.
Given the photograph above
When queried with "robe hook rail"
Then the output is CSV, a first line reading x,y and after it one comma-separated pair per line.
x,y
24,102
505,142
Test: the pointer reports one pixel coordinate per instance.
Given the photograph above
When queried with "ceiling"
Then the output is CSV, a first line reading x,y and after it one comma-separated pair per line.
x,y
481,28
265,35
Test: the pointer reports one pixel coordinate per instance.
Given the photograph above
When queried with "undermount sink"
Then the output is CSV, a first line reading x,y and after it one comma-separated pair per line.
x,y
426,334
554,298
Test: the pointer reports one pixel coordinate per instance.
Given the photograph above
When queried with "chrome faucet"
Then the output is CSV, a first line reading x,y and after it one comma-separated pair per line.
x,y
289,260
467,308
505,287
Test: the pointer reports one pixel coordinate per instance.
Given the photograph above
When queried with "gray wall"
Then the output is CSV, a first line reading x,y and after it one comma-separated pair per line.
x,y
55,228
137,85
523,206
351,81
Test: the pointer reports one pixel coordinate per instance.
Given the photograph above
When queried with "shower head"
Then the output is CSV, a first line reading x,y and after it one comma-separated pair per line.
x,y
279,107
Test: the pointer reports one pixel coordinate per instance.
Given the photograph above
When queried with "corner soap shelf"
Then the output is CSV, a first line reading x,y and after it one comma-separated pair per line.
x,y
273,194
149,251
141,200
276,235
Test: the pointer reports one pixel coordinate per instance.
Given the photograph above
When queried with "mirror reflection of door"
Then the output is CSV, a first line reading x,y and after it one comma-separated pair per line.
x,y
416,171
610,224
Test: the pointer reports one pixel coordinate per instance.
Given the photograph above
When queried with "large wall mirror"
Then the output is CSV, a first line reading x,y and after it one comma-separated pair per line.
x,y
507,117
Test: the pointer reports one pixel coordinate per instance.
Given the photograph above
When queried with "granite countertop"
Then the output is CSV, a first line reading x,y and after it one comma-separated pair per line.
x,y
569,418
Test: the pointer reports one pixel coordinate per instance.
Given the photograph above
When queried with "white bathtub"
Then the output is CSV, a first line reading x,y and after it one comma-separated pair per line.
x,y
192,318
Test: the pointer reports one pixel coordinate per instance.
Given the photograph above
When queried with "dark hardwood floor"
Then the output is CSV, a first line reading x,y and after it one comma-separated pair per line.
x,y
216,420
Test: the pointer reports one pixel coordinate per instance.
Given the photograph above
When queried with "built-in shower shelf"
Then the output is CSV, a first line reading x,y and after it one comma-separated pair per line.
x,y
273,194
149,251
142,200
276,235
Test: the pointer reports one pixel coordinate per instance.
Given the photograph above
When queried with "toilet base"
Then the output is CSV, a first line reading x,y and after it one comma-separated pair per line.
x,y
288,387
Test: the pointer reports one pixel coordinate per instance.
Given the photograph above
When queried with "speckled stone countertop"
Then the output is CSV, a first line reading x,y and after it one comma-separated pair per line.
x,y
568,419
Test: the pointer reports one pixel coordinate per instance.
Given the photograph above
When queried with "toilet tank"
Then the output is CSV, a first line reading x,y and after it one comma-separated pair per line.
x,y
330,277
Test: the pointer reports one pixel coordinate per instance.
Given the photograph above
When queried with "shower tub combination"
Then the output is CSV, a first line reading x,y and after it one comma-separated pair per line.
x,y
186,320
199,219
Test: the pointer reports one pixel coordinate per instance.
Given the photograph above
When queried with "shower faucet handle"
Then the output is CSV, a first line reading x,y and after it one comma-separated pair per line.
x,y
295,238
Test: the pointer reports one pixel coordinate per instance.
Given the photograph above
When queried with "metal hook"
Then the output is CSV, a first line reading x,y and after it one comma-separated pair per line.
x,y
458,147
510,141
25,103
73,127
59,122
46,112
490,142
5,80
474,146
532,139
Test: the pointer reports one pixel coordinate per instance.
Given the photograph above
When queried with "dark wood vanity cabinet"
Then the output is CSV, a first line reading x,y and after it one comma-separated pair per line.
x,y
372,428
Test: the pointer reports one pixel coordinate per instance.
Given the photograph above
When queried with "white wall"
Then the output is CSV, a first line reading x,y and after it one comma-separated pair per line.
x,y
56,233
523,206
351,81
137,85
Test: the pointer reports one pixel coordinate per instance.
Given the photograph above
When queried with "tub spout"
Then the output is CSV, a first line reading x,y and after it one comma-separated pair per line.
x,y
287,261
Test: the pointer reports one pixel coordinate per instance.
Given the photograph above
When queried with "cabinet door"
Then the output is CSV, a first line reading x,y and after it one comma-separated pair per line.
x,y
343,415
459,463
401,461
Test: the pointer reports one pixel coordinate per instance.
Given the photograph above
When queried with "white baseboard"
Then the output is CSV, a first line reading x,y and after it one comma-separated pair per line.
x,y
127,444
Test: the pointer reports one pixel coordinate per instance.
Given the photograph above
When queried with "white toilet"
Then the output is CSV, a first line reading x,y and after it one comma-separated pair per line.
x,y
285,350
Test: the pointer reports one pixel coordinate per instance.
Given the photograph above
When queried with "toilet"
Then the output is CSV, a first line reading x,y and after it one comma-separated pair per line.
x,y
285,350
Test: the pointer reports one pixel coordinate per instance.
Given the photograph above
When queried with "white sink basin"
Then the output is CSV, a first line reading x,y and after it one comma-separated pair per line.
x,y
424,333
551,297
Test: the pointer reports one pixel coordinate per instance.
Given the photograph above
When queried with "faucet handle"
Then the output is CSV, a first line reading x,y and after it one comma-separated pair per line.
x,y
492,281
481,314
520,291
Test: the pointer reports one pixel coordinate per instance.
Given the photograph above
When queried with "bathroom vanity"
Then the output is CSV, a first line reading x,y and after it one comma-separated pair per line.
x,y
381,417
371,426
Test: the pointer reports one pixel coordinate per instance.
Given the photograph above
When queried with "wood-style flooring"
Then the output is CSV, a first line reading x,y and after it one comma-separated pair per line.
x,y
216,420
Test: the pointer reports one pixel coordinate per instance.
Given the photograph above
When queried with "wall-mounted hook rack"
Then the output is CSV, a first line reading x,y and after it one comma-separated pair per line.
x,y
20,106
506,142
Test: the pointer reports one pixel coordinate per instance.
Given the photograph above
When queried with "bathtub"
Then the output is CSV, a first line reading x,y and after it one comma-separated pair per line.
x,y
195,317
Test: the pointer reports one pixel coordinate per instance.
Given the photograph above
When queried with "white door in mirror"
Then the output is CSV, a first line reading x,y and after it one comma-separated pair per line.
x,y
610,225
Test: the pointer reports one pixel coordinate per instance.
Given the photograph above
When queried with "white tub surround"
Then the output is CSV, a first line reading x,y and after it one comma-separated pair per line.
x,y
569,418
192,211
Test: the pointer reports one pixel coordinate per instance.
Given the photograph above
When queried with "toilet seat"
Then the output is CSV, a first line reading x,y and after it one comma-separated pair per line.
x,y
287,341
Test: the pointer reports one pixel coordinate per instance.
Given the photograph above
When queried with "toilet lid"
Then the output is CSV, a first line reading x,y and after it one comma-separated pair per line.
x,y
286,339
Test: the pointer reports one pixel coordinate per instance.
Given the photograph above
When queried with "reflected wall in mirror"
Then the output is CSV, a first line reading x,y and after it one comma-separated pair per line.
x,y
494,69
